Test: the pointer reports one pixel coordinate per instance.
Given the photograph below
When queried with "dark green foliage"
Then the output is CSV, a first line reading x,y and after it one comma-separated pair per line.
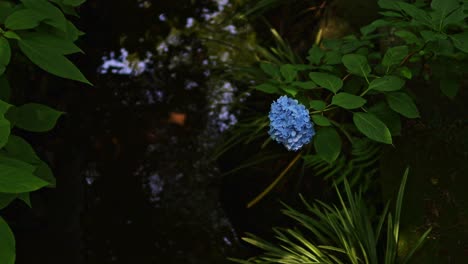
x,y
44,35
343,233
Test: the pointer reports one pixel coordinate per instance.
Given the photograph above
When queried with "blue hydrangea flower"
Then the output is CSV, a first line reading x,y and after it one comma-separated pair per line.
x,y
290,123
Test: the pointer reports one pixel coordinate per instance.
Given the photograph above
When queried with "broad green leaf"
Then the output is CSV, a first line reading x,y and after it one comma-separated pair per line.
x,y
6,8
390,118
24,19
450,87
53,15
305,85
14,179
391,14
317,105
11,35
429,35
48,41
327,144
4,106
446,6
51,61
366,30
348,101
456,17
320,120
268,88
327,81
372,127
461,41
5,90
270,69
356,64
74,3
442,8
289,72
4,131
315,55
387,83
44,172
401,103
6,199
7,244
394,55
11,162
36,117
389,4
5,52
408,37
20,149
332,57
417,14
289,89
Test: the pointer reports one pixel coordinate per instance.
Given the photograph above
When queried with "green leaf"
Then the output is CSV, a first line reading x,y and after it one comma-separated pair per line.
x,y
36,117
5,53
268,88
7,244
429,35
11,35
4,131
48,41
387,83
18,179
356,64
270,69
25,198
5,90
73,3
417,14
309,85
327,81
6,199
20,149
24,19
53,15
388,116
332,57
6,8
315,55
405,72
366,30
401,103
389,4
51,61
348,101
394,55
372,127
4,106
320,120
461,41
408,37
289,89
327,143
289,72
317,105
44,172
450,87
441,10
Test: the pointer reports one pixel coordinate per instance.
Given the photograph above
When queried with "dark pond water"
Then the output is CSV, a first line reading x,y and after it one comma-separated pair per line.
x,y
132,155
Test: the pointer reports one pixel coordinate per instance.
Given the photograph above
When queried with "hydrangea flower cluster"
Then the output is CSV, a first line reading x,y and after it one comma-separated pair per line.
x,y
290,123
